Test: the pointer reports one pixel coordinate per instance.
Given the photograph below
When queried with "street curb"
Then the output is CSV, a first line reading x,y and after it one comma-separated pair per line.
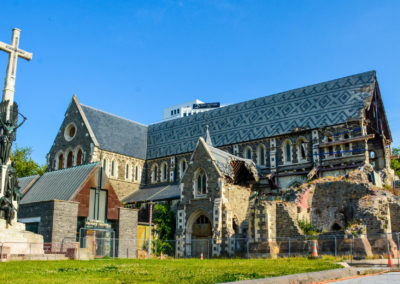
x,y
325,276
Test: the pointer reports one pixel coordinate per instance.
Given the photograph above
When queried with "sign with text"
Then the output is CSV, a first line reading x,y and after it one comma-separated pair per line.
x,y
206,105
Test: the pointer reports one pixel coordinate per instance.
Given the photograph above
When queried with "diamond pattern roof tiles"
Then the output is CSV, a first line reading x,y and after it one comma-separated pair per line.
x,y
328,103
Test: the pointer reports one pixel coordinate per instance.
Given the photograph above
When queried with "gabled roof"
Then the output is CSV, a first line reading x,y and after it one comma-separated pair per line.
x,y
117,134
329,103
229,165
58,185
26,182
155,193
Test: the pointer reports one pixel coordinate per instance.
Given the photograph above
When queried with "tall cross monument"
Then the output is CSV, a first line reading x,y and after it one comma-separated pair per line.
x,y
14,52
9,189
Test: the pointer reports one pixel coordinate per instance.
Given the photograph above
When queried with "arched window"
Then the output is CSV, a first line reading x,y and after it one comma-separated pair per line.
x,y
79,157
301,150
164,171
136,173
127,175
329,138
248,153
154,173
201,182
105,165
60,161
182,167
372,157
346,145
112,170
287,152
70,159
261,155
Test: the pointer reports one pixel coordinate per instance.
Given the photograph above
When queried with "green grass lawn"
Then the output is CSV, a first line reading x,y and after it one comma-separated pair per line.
x,y
156,271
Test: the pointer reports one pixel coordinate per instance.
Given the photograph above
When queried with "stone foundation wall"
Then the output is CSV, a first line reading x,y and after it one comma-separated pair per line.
x,y
395,216
44,210
58,219
65,218
127,233
286,220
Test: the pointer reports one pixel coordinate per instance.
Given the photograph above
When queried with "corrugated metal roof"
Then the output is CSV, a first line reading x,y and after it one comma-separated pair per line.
x,y
117,134
157,193
328,103
25,182
59,185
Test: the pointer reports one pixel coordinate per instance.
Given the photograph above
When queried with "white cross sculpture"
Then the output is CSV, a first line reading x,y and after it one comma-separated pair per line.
x,y
14,53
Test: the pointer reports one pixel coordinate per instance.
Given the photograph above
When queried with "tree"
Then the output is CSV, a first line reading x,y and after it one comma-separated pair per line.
x,y
24,165
395,164
165,220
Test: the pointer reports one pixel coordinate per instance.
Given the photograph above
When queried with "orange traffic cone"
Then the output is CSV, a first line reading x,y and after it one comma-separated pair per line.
x,y
314,250
201,256
389,259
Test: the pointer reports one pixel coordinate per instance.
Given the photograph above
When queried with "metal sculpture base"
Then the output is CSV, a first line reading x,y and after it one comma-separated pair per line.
x,y
16,241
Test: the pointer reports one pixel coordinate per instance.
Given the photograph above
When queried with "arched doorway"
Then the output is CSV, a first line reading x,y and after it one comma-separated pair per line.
x,y
200,229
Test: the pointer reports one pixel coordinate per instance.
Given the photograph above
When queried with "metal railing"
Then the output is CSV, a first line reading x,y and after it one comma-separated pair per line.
x,y
350,247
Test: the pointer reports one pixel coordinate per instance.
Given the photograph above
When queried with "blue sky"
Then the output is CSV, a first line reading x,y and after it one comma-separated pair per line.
x,y
134,58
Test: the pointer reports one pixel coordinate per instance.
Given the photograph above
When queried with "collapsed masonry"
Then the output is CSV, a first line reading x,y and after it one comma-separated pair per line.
x,y
351,214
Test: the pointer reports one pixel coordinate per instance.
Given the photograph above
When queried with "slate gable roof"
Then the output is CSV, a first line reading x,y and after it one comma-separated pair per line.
x,y
25,182
117,134
329,103
58,185
224,163
154,193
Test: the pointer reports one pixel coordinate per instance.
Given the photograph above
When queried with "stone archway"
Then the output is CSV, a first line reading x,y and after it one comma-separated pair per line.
x,y
199,231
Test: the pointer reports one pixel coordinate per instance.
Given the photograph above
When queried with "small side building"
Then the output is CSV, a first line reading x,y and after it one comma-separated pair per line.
x,y
78,204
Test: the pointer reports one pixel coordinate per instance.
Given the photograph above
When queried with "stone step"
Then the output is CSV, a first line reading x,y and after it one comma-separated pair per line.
x,y
37,257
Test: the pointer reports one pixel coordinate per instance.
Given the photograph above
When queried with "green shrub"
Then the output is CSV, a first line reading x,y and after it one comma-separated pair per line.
x,y
308,228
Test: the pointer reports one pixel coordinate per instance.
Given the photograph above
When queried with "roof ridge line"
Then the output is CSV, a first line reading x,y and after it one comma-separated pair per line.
x,y
73,167
114,115
268,96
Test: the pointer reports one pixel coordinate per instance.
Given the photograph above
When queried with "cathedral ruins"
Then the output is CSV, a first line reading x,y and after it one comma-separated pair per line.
x,y
319,154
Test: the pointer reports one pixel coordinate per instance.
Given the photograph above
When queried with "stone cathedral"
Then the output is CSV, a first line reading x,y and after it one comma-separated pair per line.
x,y
224,166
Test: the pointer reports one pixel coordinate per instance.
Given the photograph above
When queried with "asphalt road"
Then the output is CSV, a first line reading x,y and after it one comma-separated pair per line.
x,y
385,278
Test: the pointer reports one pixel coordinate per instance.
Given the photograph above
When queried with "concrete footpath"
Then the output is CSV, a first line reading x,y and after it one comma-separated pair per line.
x,y
313,277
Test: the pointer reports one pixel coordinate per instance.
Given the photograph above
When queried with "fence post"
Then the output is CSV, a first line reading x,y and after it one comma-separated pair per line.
x,y
2,245
398,251
247,248
289,247
335,248
351,249
30,251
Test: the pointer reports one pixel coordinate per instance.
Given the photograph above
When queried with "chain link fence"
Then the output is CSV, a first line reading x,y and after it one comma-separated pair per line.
x,y
340,246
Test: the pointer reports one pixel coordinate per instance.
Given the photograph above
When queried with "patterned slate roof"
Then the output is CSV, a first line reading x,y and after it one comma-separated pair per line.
x,y
58,185
156,193
117,134
328,103
25,182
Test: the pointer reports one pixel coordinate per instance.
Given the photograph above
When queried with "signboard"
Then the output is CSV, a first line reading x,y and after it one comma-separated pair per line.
x,y
206,105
